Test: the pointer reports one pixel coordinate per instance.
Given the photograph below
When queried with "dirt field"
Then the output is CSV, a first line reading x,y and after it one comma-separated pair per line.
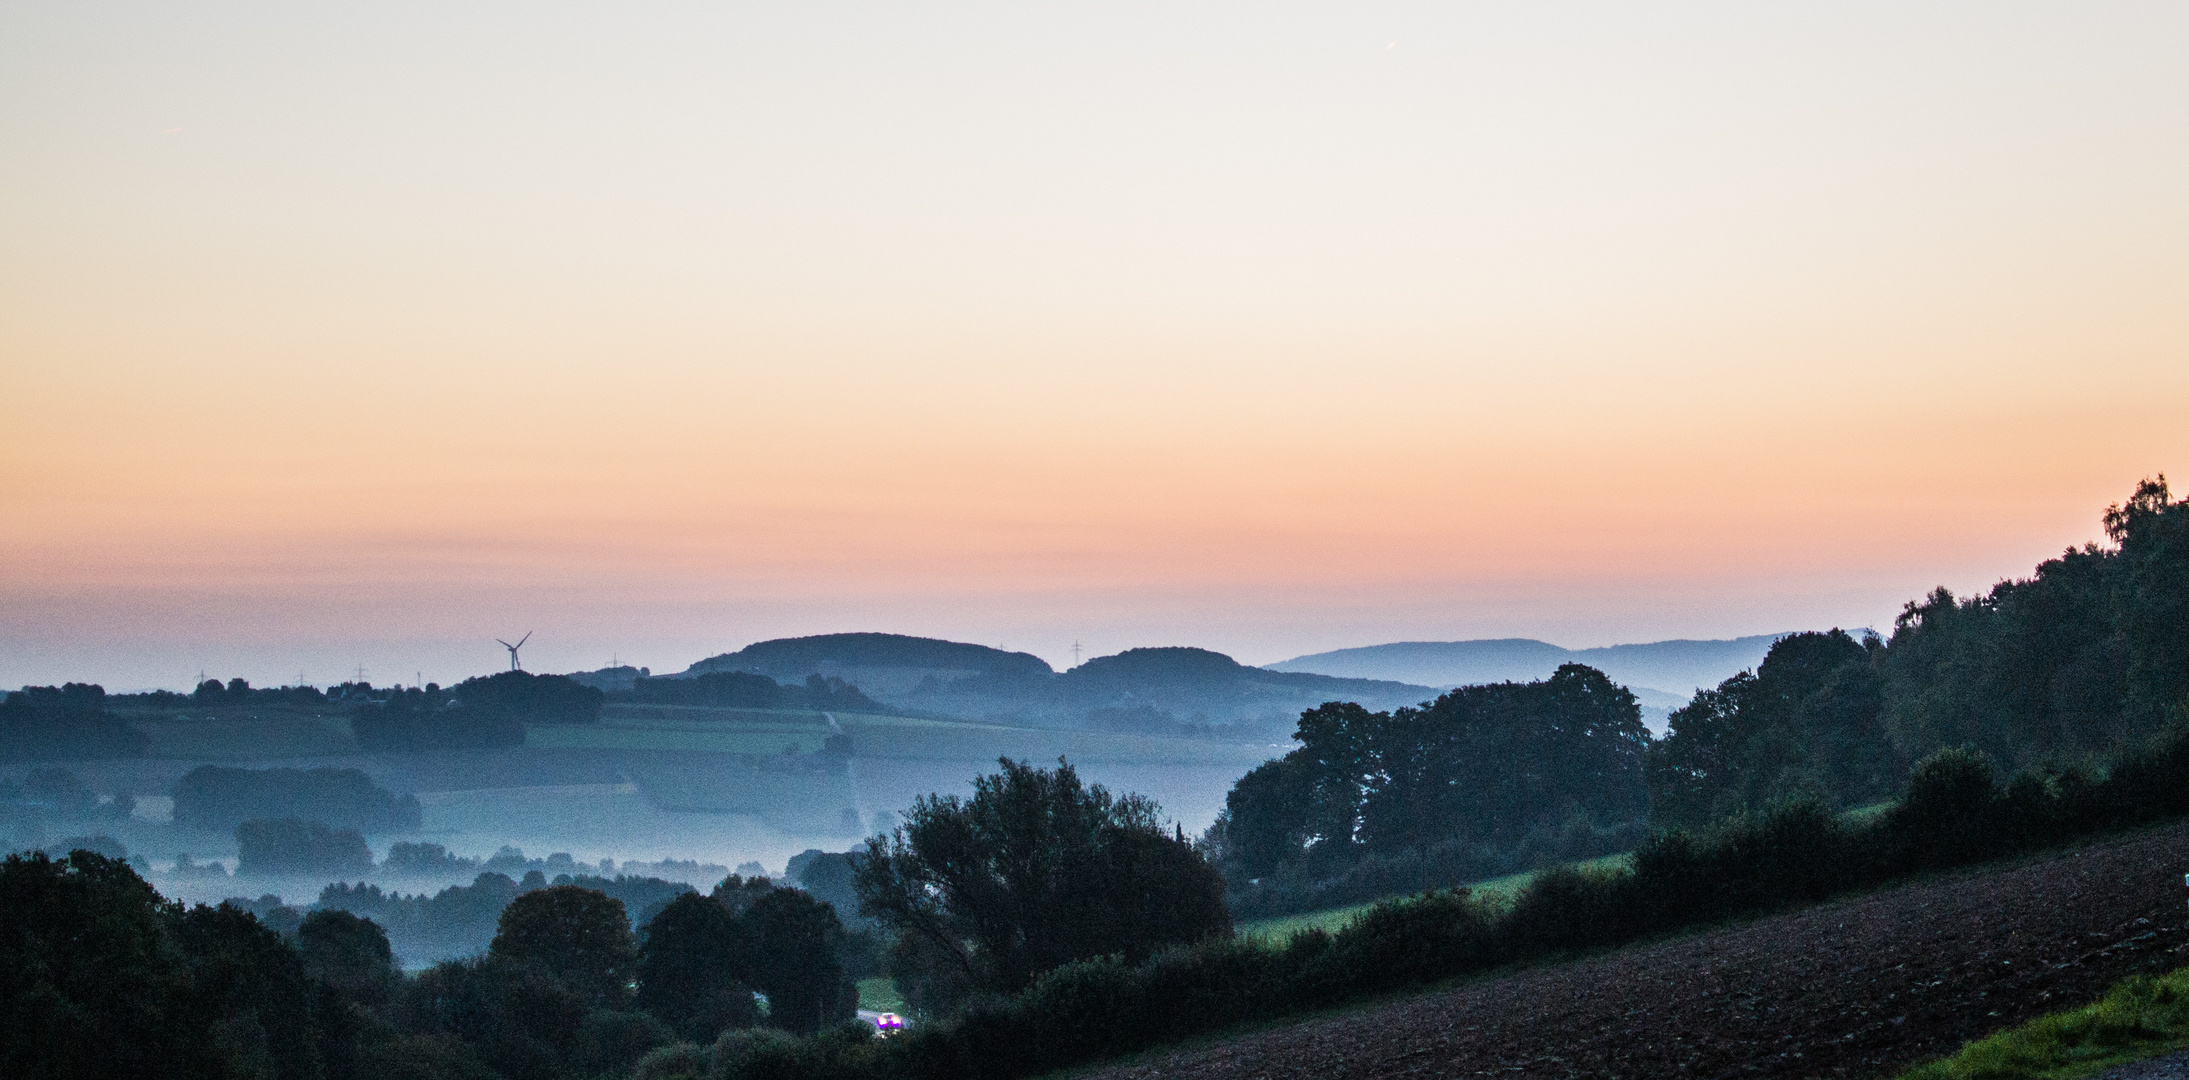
x,y
1859,988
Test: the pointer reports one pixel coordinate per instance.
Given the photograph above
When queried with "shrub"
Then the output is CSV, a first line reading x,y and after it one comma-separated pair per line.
x,y
676,1061
1947,815
756,1054
613,1042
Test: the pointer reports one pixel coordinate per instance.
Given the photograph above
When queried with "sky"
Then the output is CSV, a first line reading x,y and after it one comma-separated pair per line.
x,y
341,337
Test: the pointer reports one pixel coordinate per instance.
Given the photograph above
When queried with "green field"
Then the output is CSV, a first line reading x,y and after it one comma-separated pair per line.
x,y
764,732
2142,1017
268,735
1279,927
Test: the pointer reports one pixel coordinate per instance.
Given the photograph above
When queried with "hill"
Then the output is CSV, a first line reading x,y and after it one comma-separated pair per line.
x,y
1863,987
889,667
1154,690
1673,668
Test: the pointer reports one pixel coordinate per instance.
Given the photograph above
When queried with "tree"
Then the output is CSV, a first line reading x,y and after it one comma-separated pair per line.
x,y
692,966
248,993
349,954
1808,722
529,698
42,723
797,961
220,797
1267,817
1037,870
2152,606
1482,780
1487,764
580,937
87,981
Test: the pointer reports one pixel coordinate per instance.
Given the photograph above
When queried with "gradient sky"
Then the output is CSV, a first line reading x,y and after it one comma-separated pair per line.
x,y
360,337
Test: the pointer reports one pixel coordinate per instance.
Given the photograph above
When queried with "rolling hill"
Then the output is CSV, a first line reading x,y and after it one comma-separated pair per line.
x,y
1673,668
1154,689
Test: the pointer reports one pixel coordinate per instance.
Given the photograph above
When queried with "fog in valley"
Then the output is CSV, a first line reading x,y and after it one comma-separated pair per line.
x,y
741,764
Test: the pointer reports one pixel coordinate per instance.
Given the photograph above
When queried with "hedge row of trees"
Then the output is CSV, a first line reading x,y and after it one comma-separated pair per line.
x,y
100,976
2070,663
70,722
460,920
1954,810
1454,790
1491,779
477,713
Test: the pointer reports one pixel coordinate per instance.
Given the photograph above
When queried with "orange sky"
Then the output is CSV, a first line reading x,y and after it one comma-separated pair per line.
x,y
361,338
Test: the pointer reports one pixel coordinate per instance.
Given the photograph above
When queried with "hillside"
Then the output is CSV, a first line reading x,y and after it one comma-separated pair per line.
x,y
884,665
1858,988
1672,668
1148,690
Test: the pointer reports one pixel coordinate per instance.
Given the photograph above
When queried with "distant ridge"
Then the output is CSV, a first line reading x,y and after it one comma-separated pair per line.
x,y
798,657
1670,667
1171,685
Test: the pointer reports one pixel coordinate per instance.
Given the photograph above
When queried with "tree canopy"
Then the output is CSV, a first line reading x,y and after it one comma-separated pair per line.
x,y
1807,722
579,936
1475,775
1036,870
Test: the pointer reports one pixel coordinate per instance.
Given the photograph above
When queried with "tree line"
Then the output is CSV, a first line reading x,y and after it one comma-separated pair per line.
x,y
2045,673
101,976
1043,922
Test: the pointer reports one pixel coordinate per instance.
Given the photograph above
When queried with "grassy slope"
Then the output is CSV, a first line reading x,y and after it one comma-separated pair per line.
x,y
2142,1017
259,734
1279,927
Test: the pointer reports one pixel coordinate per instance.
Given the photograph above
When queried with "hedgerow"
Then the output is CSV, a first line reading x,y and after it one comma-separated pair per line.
x,y
1954,811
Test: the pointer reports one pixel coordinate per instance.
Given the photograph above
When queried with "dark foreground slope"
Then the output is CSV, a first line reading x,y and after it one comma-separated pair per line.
x,y
1856,988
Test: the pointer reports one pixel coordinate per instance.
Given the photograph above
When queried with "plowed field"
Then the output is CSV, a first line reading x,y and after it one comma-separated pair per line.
x,y
1857,988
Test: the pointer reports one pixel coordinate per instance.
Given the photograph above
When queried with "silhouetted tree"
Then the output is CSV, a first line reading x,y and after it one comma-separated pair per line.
x,y
44,723
1808,722
1037,870
797,961
579,936
89,982
349,954
692,966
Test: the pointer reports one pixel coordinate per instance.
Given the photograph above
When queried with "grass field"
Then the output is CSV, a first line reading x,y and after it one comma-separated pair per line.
x,y
1279,927
763,732
2142,1017
268,735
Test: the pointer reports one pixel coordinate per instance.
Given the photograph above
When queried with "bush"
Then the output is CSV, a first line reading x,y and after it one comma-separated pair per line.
x,y
1948,814
676,1061
1794,852
613,1042
756,1054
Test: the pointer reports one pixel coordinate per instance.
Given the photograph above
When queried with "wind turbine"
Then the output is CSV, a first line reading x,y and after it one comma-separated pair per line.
x,y
513,664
